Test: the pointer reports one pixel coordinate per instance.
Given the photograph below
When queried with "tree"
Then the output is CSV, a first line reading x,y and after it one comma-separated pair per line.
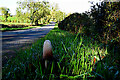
x,y
53,11
59,16
5,12
56,14
19,15
36,9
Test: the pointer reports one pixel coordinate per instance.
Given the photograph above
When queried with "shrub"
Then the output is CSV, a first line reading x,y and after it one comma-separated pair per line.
x,y
3,20
44,21
9,20
106,20
15,20
12,21
27,21
76,22
22,21
18,21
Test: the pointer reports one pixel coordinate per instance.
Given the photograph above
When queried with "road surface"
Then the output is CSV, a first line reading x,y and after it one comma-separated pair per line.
x,y
15,40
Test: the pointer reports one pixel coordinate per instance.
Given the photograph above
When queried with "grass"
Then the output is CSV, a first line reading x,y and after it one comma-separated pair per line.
x,y
56,24
6,23
12,29
23,28
77,57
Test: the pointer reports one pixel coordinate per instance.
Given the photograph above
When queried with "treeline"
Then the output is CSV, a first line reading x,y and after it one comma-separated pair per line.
x,y
102,23
36,12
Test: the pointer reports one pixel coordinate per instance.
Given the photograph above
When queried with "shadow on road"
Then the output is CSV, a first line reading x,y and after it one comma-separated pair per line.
x,y
15,40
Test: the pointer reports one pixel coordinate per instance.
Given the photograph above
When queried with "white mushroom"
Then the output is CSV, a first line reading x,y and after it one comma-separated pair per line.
x,y
47,51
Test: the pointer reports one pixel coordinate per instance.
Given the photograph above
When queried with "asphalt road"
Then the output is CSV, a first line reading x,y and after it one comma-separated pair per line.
x,y
15,40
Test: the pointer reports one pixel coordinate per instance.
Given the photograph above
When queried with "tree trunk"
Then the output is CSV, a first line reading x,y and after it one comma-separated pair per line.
x,y
5,19
36,22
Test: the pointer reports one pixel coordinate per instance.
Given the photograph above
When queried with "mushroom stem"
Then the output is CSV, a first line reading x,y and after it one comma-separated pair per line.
x,y
45,63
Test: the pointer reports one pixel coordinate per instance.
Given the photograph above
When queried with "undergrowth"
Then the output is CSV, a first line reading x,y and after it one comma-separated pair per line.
x,y
76,57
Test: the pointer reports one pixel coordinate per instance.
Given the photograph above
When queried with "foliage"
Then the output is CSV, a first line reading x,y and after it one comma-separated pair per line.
x,y
56,14
7,23
104,27
59,16
35,10
106,21
20,15
1,18
12,27
53,11
5,12
75,57
9,20
102,23
76,22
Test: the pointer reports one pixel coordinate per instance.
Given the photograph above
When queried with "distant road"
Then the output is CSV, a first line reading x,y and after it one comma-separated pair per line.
x,y
14,40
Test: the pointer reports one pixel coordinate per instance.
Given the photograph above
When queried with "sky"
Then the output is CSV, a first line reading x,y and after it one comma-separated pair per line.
x,y
67,6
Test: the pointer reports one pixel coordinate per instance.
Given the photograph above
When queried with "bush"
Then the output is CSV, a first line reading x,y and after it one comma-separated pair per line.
x,y
15,20
44,21
106,20
76,22
22,21
18,21
9,20
27,21
3,20
12,21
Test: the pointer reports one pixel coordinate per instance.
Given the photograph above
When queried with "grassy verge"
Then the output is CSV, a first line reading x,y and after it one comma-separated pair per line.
x,y
76,56
56,24
12,29
6,23
19,28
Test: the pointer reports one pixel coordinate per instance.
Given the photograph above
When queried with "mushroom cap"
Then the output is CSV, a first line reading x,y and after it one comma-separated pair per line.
x,y
47,50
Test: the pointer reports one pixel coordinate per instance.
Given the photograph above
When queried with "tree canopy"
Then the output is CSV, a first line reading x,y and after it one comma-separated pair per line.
x,y
36,11
5,12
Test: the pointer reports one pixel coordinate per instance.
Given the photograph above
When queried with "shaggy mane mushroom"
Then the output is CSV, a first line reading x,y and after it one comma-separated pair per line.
x,y
47,51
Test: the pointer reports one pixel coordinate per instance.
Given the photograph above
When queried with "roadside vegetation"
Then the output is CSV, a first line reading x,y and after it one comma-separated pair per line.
x,y
77,56
33,16
35,13
8,23
101,24
85,46
13,29
17,26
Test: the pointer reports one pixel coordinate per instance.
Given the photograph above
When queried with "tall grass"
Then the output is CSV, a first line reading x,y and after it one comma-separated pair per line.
x,y
76,57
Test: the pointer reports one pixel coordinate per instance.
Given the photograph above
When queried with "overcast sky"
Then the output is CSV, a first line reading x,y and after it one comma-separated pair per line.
x,y
68,6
